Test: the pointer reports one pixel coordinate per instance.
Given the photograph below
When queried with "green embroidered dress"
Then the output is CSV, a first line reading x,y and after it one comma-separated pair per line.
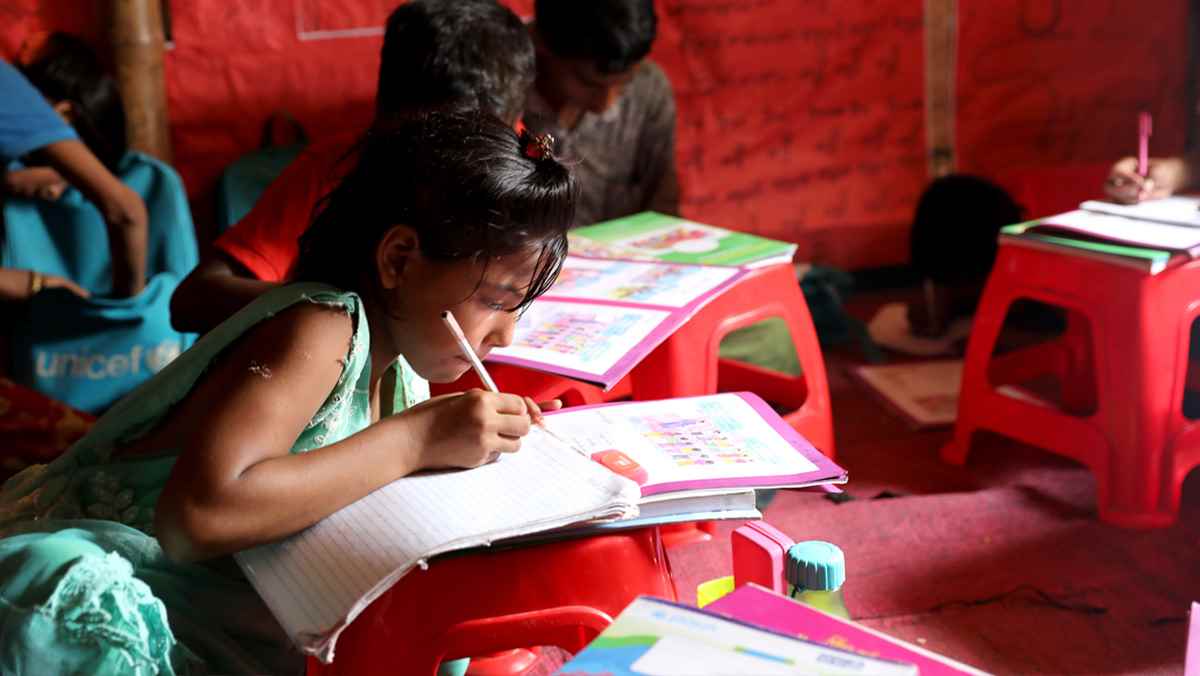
x,y
85,587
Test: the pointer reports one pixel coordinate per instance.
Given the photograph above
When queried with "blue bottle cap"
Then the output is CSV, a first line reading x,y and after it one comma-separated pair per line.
x,y
816,565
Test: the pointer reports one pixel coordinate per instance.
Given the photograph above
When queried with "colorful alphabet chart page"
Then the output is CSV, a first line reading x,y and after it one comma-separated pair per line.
x,y
602,317
666,284
697,443
580,340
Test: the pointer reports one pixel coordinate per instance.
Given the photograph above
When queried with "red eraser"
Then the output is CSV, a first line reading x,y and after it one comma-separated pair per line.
x,y
622,464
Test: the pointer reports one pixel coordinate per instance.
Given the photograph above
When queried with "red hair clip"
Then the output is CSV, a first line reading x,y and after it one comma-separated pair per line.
x,y
538,146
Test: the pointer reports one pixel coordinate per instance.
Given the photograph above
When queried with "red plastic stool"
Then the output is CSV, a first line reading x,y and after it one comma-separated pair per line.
x,y
1134,327
688,362
537,385
484,601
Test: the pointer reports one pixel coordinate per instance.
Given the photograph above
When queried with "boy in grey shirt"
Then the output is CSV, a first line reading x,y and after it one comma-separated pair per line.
x,y
609,107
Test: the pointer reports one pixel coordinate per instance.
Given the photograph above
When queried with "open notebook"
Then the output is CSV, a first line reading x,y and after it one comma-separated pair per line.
x,y
694,454
602,317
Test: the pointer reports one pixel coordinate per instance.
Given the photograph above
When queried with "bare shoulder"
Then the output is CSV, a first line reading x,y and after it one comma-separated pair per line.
x,y
304,345
316,328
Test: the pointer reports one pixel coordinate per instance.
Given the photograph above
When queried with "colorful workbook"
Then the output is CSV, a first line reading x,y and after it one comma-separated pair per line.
x,y
653,637
602,317
677,457
651,235
693,445
764,608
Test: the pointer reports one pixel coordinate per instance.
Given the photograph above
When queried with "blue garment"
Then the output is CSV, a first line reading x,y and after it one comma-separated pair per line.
x,y
27,122
90,352
68,237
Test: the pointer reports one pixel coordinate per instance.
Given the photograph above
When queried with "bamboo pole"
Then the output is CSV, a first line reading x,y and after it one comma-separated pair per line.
x,y
136,33
941,72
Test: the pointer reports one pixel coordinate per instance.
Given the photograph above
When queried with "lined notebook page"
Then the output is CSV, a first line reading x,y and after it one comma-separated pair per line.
x,y
320,579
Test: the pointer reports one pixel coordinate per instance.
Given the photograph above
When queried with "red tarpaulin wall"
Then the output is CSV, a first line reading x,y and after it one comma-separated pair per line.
x,y
798,119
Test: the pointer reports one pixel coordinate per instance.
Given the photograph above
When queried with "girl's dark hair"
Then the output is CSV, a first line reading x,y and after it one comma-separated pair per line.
x,y
466,183
66,69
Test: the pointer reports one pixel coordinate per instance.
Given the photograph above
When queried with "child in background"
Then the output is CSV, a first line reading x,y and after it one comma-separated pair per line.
x,y
116,558
30,128
607,104
89,353
463,54
67,74
953,246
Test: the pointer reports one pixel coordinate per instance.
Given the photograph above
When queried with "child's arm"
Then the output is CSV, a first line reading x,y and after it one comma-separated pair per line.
x,y
236,485
212,293
122,209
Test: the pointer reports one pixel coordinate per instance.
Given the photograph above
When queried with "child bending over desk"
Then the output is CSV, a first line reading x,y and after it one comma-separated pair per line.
x,y
116,555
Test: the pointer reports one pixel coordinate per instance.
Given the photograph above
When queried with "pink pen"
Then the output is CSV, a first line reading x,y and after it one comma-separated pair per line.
x,y
1145,128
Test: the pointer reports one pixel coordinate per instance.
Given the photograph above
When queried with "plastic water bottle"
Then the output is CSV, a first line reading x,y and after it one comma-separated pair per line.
x,y
816,571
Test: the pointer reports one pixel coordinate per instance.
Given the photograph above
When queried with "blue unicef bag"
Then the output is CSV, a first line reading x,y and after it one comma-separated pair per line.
x,y
89,353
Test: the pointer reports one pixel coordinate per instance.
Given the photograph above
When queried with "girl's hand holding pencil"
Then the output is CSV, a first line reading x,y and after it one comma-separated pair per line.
x,y
466,429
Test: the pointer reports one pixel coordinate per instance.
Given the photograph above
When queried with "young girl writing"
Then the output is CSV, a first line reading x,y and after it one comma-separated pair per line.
x,y
300,404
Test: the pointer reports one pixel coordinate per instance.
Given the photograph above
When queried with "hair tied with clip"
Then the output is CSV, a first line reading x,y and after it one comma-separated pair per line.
x,y
537,146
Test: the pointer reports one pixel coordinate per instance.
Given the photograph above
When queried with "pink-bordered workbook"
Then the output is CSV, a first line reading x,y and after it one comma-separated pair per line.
x,y
763,608
599,466
602,317
695,444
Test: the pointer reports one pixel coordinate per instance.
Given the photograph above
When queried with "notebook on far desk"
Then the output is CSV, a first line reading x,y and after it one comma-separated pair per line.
x,y
1149,260
1177,210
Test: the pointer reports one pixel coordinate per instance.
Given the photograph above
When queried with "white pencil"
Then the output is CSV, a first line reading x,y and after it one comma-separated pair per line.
x,y
469,352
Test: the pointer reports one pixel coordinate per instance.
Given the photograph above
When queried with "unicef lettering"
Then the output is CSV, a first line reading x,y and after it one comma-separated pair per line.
x,y
99,366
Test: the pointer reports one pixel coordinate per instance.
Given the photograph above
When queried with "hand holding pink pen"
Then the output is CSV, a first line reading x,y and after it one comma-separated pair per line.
x,y
1138,178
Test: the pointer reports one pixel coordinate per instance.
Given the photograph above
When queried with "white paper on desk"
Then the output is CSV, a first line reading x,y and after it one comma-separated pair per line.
x,y
1124,230
317,581
1170,210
